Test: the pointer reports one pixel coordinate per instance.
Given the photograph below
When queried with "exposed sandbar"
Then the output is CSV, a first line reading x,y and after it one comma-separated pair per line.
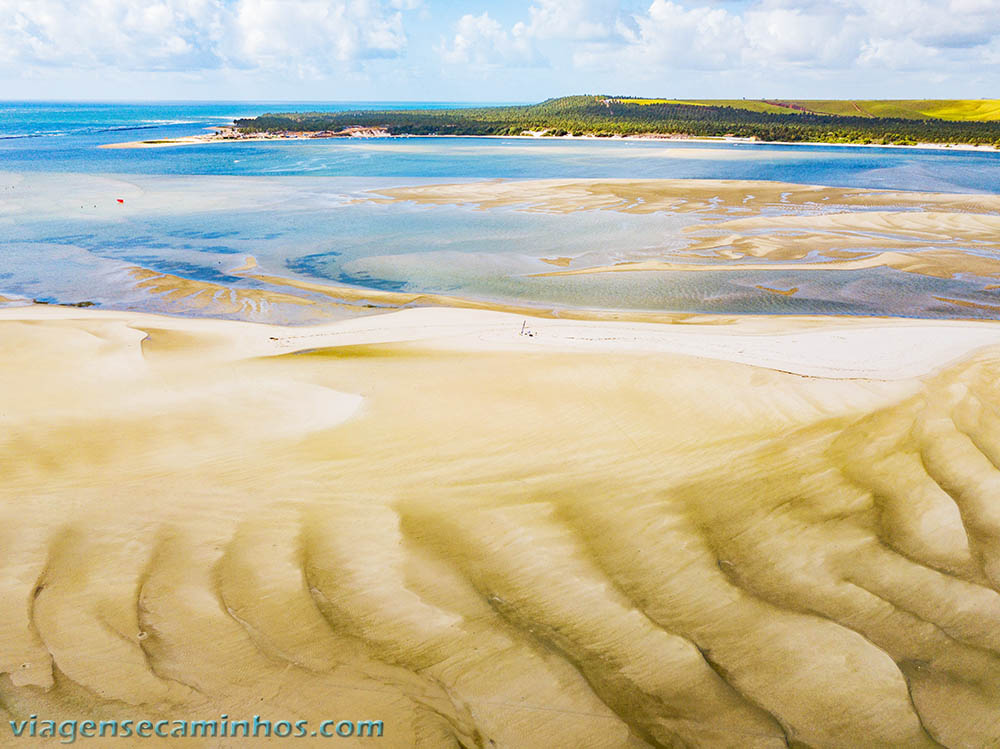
x,y
940,264
819,228
686,195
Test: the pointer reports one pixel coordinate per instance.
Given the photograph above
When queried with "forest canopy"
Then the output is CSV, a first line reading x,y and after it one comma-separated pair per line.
x,y
610,116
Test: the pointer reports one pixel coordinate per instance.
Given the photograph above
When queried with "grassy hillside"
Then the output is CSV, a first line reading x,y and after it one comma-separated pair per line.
x,y
752,105
899,122
959,110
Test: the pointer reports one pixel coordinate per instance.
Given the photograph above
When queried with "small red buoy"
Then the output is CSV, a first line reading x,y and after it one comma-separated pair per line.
x,y
120,200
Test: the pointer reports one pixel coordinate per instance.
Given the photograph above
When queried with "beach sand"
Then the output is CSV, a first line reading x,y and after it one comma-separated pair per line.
x,y
190,140
750,532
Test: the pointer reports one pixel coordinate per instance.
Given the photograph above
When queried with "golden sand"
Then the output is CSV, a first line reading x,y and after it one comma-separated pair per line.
x,y
683,195
924,233
967,303
735,531
937,263
249,263
581,538
784,292
188,295
186,140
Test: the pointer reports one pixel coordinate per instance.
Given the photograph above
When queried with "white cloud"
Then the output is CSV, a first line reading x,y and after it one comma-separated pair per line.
x,y
583,20
897,54
789,36
304,37
669,34
572,44
482,41
313,35
168,34
762,37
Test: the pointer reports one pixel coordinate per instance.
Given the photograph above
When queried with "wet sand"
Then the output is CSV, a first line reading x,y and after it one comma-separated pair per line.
x,y
699,246
684,195
752,532
768,221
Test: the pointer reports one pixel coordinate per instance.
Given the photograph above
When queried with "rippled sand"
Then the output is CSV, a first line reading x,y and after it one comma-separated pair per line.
x,y
696,246
694,195
578,538
314,300
819,228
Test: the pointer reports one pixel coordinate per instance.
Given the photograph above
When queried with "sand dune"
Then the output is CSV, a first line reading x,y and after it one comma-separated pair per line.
x,y
604,535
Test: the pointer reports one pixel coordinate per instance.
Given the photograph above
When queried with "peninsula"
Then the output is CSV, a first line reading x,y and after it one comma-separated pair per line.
x,y
884,122
941,123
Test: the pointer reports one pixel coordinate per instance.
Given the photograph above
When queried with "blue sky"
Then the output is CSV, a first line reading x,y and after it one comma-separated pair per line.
x,y
489,50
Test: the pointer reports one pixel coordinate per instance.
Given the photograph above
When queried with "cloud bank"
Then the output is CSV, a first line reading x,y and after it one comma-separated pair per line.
x,y
431,48
299,37
764,35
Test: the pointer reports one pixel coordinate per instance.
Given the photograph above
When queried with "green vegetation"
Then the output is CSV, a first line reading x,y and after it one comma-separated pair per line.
x,y
752,105
963,110
958,110
883,122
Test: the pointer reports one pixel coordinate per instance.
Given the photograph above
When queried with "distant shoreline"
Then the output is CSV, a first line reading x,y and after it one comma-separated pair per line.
x,y
373,133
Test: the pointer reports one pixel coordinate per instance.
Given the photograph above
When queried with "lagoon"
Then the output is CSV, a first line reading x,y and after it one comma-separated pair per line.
x,y
312,211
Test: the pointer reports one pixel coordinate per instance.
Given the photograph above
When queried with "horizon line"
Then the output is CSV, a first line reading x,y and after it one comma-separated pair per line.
x,y
458,101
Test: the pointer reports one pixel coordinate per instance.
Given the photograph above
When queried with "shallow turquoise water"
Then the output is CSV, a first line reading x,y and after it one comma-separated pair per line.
x,y
62,137
293,206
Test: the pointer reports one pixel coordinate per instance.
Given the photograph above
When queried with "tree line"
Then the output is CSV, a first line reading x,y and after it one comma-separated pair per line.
x,y
605,116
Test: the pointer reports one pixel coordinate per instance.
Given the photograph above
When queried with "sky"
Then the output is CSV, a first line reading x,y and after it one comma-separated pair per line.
x,y
497,50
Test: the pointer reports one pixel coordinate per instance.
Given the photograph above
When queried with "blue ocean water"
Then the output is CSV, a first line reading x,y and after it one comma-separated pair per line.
x,y
63,137
106,120
301,208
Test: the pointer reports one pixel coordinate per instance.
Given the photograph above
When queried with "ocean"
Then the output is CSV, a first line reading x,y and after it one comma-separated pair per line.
x,y
62,137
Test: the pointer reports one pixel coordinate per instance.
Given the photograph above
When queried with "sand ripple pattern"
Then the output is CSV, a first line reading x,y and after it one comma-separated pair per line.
x,y
763,226
497,549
